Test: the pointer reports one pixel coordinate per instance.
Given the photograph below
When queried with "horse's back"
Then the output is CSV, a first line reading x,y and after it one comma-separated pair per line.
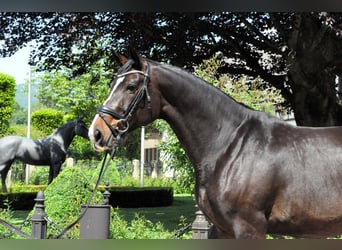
x,y
9,145
21,148
10,140
8,150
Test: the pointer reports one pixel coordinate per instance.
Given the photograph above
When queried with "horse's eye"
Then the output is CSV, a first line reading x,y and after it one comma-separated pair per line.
x,y
131,88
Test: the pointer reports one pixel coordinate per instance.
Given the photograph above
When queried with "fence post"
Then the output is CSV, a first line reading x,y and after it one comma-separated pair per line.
x,y
136,165
95,222
38,219
106,194
200,226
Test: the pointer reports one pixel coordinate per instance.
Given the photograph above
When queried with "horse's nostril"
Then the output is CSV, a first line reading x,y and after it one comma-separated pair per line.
x,y
97,135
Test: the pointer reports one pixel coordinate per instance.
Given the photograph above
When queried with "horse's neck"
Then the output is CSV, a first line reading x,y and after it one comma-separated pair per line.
x,y
63,136
199,114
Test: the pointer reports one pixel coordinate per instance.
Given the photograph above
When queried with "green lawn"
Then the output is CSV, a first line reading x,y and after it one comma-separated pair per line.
x,y
182,206
19,216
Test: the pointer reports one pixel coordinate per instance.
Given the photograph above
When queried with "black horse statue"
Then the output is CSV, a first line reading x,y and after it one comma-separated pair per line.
x,y
51,150
255,174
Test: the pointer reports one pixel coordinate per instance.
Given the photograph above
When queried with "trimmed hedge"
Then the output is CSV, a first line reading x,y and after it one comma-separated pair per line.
x,y
18,201
47,120
140,197
124,197
7,101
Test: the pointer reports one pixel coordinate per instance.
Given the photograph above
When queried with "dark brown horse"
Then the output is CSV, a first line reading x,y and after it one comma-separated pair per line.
x,y
255,174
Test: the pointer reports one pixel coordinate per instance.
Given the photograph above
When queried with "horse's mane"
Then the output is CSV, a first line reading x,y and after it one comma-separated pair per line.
x,y
193,88
62,127
199,80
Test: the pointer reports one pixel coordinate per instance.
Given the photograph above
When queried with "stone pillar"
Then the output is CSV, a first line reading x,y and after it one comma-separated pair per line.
x,y
156,166
9,179
200,226
136,168
70,162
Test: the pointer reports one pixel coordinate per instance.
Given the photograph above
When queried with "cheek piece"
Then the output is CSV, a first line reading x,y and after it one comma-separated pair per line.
x,y
118,131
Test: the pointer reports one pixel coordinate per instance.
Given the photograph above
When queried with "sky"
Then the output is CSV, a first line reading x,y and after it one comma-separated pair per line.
x,y
16,65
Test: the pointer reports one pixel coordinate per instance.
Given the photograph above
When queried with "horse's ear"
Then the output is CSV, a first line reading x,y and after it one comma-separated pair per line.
x,y
119,58
136,58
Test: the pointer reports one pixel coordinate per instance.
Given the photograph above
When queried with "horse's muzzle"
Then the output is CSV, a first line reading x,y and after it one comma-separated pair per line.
x,y
106,138
98,141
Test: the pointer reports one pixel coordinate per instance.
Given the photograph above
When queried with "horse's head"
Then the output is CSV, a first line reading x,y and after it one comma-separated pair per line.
x,y
130,104
81,129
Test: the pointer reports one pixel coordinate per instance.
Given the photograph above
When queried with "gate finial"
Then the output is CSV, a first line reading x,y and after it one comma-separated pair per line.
x,y
106,194
39,227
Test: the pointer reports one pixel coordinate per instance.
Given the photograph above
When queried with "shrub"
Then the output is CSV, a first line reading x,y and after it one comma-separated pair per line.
x,y
40,175
23,188
111,175
7,215
7,101
64,197
46,120
138,228
174,183
68,118
81,148
66,194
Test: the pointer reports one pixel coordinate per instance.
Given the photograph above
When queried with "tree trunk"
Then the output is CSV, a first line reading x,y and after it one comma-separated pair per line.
x,y
317,104
311,74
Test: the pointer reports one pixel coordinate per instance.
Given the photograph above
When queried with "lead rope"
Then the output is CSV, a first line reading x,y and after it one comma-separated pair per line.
x,y
102,171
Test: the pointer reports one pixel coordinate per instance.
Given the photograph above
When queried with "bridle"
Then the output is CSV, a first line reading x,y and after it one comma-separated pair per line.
x,y
124,119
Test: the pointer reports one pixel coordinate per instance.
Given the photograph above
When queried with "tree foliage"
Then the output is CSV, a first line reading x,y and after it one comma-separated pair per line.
x,y
7,102
19,115
267,99
298,53
77,96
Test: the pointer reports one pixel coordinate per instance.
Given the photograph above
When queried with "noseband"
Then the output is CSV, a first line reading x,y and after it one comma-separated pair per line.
x,y
103,109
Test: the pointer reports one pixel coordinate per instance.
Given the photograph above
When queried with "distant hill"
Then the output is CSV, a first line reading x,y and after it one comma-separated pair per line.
x,y
21,95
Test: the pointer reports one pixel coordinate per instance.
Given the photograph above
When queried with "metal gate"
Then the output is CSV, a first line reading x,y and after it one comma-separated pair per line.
x,y
89,219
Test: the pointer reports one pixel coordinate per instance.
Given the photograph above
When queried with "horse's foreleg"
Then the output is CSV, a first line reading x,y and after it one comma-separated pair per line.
x,y
4,173
54,171
251,226
50,174
216,233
